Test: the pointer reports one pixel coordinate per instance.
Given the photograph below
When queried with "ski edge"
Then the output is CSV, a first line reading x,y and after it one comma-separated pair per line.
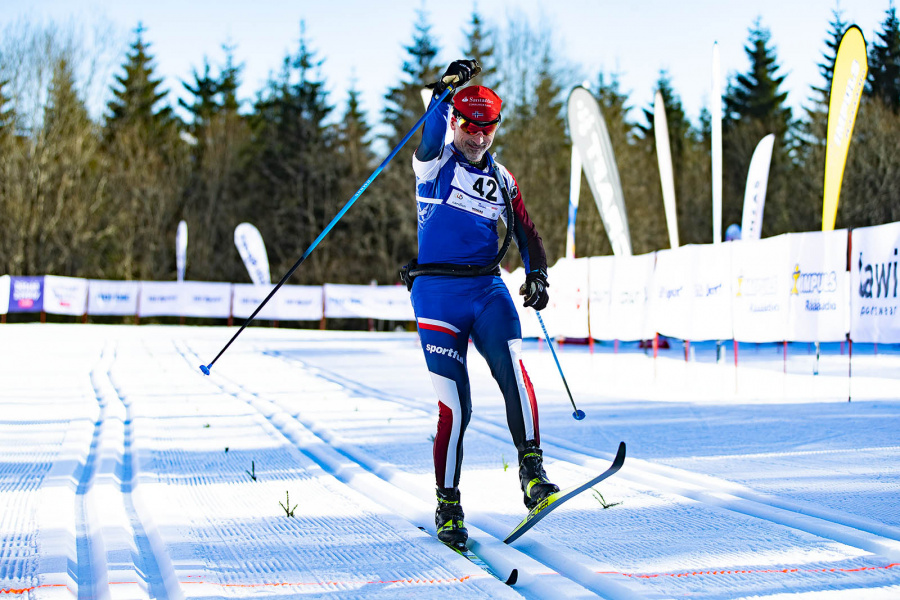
x,y
479,562
534,517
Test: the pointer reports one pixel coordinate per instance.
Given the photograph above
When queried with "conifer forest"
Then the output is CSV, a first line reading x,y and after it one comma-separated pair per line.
x,y
101,197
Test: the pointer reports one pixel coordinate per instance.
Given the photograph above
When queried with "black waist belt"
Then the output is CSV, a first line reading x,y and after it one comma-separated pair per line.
x,y
412,270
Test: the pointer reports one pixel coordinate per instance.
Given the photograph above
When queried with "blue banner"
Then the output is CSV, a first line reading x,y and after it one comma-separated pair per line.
x,y
26,294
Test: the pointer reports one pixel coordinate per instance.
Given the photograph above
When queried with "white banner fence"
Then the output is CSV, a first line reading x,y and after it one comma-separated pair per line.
x,y
794,287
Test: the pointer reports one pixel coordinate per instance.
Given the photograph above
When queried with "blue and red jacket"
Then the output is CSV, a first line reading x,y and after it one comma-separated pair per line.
x,y
459,204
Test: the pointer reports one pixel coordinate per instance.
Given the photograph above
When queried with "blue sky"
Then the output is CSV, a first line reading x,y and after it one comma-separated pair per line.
x,y
364,39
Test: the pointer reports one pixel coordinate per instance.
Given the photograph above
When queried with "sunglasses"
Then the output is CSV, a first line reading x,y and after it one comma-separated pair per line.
x,y
472,127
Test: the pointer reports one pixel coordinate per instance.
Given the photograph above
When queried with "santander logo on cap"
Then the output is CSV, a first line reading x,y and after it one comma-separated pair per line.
x,y
478,103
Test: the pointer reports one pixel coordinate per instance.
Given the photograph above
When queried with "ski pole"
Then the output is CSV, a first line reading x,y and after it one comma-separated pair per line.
x,y
578,414
205,368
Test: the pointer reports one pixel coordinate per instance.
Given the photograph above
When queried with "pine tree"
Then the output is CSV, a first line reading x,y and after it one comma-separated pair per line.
x,y
404,101
219,135
480,46
755,107
755,95
138,100
291,184
72,182
837,28
403,108
147,166
884,62
811,135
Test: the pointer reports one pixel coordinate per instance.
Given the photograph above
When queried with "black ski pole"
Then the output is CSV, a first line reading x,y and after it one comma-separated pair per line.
x,y
205,368
578,414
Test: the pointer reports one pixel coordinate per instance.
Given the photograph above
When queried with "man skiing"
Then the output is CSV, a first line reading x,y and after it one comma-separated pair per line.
x,y
457,292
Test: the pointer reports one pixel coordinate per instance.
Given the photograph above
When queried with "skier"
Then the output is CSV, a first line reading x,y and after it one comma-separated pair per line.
x,y
457,291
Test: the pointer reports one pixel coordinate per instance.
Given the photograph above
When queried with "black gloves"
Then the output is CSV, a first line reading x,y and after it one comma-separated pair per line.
x,y
535,290
457,74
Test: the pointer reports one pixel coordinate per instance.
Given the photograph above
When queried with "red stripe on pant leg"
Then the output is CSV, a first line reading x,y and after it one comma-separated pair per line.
x,y
533,401
442,442
437,328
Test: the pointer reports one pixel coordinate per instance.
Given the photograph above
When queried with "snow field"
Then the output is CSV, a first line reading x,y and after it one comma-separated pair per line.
x,y
115,481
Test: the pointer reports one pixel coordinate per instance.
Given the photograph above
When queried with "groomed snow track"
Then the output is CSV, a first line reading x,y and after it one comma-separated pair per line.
x,y
128,474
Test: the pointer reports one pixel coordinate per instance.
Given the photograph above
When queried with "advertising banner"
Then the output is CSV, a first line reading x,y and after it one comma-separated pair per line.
x,y
630,302
566,314
4,294
206,299
761,279
755,191
530,326
574,195
291,303
666,176
711,282
847,83
252,249
591,138
874,300
600,276
383,302
65,295
181,242
819,296
112,298
672,293
26,294
159,299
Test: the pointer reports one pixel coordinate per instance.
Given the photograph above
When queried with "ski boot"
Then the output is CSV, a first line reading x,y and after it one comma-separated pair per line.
x,y
448,519
532,478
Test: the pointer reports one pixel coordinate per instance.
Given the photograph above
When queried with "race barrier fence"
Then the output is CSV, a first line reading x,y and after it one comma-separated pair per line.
x,y
799,287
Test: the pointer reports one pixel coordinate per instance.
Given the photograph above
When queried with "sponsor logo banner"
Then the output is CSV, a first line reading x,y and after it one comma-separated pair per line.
x,y
711,292
601,269
383,302
187,299
850,69
252,249
630,300
290,303
664,158
4,294
818,294
566,314
755,192
65,295
760,279
26,294
671,293
112,298
181,241
874,288
591,138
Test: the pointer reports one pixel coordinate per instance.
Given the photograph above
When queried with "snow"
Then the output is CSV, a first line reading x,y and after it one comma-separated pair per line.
x,y
125,473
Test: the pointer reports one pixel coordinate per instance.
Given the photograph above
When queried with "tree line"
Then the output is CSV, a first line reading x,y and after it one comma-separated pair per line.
x,y
102,198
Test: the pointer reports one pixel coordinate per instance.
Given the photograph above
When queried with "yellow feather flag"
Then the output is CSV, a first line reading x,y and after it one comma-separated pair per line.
x,y
850,69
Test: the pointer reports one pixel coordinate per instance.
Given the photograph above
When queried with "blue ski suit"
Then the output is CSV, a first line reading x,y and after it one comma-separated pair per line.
x,y
459,205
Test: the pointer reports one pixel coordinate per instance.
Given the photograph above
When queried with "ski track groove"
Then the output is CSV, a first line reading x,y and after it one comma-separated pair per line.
x,y
313,537
500,556
858,532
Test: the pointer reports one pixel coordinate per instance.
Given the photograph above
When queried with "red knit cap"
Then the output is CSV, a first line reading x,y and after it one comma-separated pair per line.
x,y
478,103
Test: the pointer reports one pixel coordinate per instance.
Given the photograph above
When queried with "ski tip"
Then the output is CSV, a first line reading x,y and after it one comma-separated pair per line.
x,y
578,415
204,369
513,577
